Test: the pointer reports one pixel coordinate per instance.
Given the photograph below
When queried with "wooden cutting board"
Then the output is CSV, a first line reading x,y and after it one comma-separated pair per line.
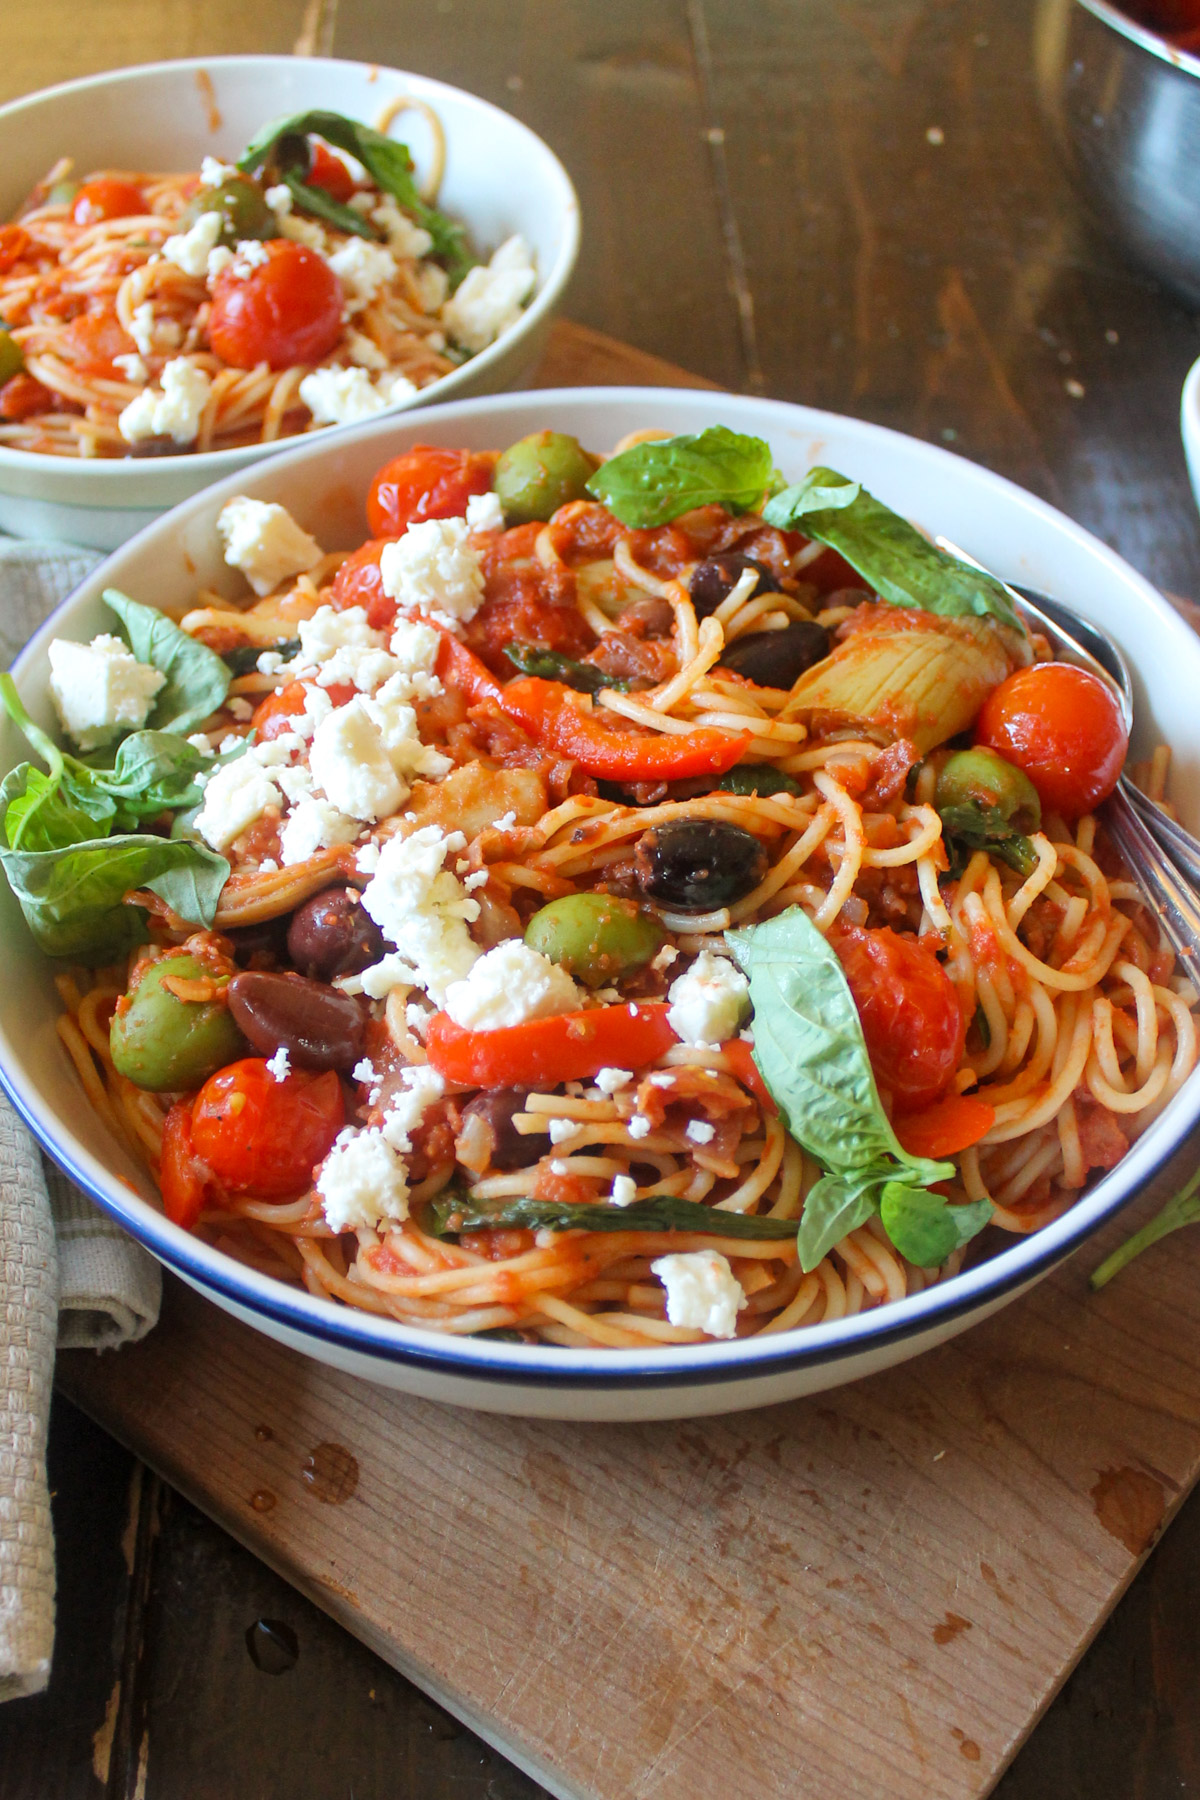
x,y
871,1593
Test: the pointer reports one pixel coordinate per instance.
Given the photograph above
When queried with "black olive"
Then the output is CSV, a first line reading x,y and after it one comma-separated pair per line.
x,y
694,865
508,1149
332,935
715,579
777,658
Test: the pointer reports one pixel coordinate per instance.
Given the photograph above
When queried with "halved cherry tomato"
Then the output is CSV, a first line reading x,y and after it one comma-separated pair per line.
x,y
325,170
567,1048
107,198
737,1054
184,1179
946,1127
359,583
14,242
909,1010
93,339
262,1136
552,714
286,310
24,395
425,483
278,712
1064,728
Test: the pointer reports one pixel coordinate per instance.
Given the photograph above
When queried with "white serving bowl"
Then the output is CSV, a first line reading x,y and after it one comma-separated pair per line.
x,y
322,483
1189,423
500,178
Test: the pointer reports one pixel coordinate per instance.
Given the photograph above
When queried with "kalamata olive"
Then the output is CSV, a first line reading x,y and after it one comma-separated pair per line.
x,y
715,579
597,938
166,1044
540,473
508,1149
255,944
332,934
777,658
694,865
319,1027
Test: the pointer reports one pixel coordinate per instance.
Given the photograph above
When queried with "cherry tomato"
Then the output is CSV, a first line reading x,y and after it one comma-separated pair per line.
x,y
184,1179
107,199
279,712
328,171
425,483
286,310
93,339
262,1136
24,395
909,1010
1064,728
359,583
14,242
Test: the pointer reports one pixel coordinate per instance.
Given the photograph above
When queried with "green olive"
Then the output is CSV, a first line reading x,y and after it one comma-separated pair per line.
x,y
12,360
62,193
983,776
597,938
164,1043
538,474
242,206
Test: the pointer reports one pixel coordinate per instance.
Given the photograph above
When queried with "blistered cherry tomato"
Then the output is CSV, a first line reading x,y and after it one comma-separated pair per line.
x,y
14,242
287,310
182,1176
328,171
425,483
909,1010
278,712
262,1136
24,395
107,198
93,339
1064,728
359,583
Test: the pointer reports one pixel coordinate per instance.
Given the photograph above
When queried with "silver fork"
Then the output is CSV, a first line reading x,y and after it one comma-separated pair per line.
x,y
1161,852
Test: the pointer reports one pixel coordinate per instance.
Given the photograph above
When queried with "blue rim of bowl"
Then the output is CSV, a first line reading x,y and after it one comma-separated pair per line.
x,y
217,463
976,1291
1186,61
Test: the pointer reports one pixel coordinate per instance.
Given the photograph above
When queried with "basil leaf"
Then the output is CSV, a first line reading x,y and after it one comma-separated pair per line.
x,y
197,679
552,665
834,1207
925,1227
244,659
40,812
73,898
1182,1209
969,825
900,565
655,482
321,204
154,771
283,143
457,1212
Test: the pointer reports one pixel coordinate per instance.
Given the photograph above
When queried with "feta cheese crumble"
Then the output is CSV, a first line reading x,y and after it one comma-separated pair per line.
x,y
152,335
337,396
350,762
404,238
639,1126
433,568
484,512
420,906
263,540
562,1129
214,173
508,986
420,1087
488,300
362,1181
700,1131
132,368
362,268
611,1081
703,1293
175,411
279,1066
234,796
708,1002
99,689
624,1190
329,631
314,825
189,250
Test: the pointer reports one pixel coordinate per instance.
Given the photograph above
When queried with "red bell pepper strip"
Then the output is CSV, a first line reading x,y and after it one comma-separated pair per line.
x,y
551,713
570,1047
948,1126
461,670
737,1054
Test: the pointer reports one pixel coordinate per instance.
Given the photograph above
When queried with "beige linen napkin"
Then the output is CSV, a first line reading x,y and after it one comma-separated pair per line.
x,y
62,1261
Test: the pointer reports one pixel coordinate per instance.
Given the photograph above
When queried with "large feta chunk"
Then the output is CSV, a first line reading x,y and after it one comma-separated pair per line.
x,y
189,250
314,825
329,631
415,647
362,268
362,1182
350,762
234,796
703,1293
99,689
263,540
422,908
509,986
488,300
484,512
397,723
709,1001
433,568
175,411
337,396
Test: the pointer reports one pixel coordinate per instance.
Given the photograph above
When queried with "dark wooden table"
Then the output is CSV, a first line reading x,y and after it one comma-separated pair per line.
x,y
851,203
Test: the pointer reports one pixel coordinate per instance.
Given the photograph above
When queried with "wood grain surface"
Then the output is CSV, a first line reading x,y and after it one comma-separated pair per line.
x,y
851,203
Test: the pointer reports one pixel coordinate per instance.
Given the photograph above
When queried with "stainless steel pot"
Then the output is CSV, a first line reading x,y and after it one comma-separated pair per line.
x,y
1126,106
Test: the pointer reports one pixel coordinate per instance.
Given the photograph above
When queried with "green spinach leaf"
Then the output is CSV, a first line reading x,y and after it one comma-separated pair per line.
x,y
655,482
1182,1209
969,825
900,565
197,679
